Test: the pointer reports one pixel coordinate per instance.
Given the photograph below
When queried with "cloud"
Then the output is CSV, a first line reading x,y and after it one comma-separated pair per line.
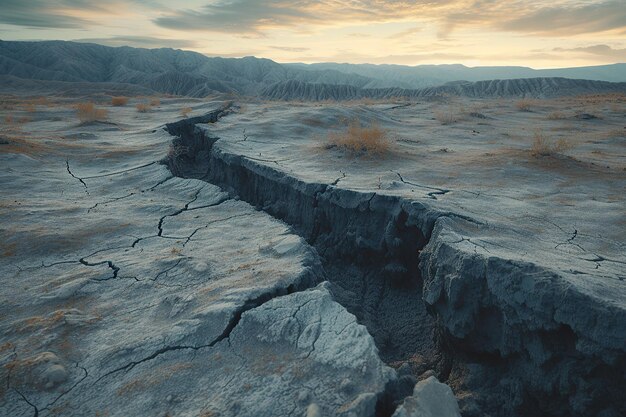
x,y
289,48
253,16
238,16
563,17
598,50
142,42
60,14
405,33
571,19
531,16
478,23
38,14
404,59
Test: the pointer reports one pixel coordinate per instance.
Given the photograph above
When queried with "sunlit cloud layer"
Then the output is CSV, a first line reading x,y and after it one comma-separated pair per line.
x,y
474,32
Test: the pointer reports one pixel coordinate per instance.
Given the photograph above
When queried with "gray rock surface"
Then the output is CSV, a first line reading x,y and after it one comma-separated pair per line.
x,y
128,291
139,290
430,398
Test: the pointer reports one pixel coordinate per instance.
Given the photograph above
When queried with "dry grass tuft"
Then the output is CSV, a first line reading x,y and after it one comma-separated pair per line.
x,y
119,101
185,111
446,117
155,102
42,101
545,146
143,107
606,98
525,104
8,119
359,139
88,112
557,115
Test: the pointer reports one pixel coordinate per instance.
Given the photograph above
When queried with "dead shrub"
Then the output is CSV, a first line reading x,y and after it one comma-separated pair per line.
x,y
545,146
88,112
446,117
524,104
143,107
119,101
8,119
185,111
360,139
155,102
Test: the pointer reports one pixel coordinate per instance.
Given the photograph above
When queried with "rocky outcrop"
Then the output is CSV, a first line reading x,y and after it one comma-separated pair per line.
x,y
430,398
523,331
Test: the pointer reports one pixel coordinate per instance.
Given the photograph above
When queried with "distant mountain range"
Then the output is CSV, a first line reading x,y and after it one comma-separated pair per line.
x,y
61,66
420,76
520,87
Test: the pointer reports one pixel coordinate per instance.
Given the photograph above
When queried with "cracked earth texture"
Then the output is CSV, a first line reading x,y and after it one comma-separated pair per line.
x,y
129,290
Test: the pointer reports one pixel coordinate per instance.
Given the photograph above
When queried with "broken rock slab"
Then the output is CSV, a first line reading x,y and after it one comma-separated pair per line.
x,y
299,354
430,398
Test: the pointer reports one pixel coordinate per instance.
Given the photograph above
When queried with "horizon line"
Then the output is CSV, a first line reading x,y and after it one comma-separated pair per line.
x,y
310,62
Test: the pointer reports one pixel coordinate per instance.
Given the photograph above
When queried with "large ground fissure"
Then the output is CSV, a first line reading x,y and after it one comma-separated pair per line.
x,y
370,248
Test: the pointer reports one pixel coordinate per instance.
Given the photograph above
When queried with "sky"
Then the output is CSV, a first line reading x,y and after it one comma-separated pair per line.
x,y
539,34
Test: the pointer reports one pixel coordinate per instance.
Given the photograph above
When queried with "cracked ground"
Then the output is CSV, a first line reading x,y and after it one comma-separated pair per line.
x,y
130,292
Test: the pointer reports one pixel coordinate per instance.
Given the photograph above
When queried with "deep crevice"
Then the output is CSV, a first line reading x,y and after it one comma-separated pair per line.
x,y
368,243
370,248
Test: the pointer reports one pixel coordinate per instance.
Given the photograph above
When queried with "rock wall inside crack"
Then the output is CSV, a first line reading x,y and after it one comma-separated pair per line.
x,y
369,243
520,331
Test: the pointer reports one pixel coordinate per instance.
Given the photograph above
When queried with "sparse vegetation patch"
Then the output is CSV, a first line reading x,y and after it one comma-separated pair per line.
x,y
525,104
446,117
88,112
119,101
545,146
143,107
185,111
359,139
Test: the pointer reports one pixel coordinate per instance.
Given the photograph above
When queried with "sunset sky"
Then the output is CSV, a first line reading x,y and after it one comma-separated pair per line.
x,y
540,34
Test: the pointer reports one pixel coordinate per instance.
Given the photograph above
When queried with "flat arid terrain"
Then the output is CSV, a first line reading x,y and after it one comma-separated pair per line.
x,y
239,256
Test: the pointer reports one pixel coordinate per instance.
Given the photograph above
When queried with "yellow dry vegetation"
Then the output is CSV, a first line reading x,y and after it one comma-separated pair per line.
x,y
119,101
88,112
360,139
545,146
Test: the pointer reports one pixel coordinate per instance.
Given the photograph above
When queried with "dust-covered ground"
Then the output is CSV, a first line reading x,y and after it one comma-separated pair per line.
x,y
481,241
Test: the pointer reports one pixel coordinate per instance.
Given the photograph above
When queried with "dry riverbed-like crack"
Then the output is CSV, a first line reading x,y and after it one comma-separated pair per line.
x,y
371,246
